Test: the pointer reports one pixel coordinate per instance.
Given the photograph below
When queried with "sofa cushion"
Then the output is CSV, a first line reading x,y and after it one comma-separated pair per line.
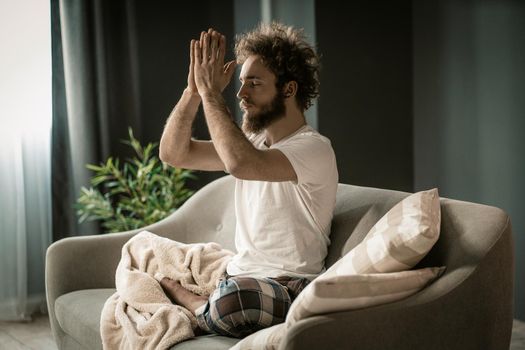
x,y
265,339
78,313
206,342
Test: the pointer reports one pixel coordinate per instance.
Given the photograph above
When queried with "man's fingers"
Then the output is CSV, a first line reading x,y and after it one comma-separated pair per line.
x,y
210,34
222,48
218,51
227,67
205,47
201,42
230,68
213,44
192,53
197,55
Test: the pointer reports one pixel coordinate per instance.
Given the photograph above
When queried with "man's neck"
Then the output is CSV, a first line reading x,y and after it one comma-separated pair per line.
x,y
284,127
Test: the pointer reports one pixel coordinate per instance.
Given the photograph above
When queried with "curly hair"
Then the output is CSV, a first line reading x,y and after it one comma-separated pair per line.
x,y
284,50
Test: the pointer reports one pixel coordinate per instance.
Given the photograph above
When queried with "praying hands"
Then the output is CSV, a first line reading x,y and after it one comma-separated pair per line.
x,y
208,73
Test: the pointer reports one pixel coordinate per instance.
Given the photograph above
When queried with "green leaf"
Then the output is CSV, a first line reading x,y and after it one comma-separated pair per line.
x,y
137,192
94,167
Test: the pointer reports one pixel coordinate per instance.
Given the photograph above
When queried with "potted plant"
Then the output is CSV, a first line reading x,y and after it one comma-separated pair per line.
x,y
140,192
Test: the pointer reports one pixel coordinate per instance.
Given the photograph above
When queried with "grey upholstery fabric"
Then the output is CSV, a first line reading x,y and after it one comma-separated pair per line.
x,y
469,307
78,313
207,342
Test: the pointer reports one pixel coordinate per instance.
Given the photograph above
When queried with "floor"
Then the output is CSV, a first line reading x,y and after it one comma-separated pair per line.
x,y
518,336
27,335
36,335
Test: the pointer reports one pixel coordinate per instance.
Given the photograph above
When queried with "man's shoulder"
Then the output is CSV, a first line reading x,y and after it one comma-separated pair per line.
x,y
312,156
308,137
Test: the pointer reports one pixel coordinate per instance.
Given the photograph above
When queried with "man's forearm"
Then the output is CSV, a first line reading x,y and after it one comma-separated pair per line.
x,y
176,138
231,144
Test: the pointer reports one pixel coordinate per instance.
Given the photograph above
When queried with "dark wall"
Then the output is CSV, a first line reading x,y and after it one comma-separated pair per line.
x,y
469,108
365,106
163,30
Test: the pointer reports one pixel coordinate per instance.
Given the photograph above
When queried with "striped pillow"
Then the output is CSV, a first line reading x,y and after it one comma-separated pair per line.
x,y
332,293
399,240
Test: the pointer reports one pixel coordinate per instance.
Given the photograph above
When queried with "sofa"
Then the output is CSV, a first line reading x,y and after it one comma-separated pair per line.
x,y
469,307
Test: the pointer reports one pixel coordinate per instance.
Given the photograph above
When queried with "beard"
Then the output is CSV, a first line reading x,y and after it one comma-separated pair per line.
x,y
256,122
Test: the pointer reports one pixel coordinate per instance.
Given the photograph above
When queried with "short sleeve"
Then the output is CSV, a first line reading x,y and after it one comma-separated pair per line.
x,y
311,156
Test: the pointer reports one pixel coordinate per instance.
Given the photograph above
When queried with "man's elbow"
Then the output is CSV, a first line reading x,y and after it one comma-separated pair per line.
x,y
168,158
238,170
163,155
232,170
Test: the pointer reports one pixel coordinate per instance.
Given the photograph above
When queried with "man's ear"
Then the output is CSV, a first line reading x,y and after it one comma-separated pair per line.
x,y
290,89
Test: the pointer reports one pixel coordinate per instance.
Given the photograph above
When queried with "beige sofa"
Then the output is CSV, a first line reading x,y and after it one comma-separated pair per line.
x,y
469,307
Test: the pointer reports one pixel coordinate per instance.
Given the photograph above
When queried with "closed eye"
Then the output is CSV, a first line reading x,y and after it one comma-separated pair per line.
x,y
250,81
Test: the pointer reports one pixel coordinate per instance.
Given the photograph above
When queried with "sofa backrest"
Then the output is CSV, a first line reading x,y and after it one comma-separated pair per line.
x,y
468,230
209,215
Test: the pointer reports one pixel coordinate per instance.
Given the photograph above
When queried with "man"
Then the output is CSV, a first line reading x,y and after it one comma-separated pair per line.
x,y
286,173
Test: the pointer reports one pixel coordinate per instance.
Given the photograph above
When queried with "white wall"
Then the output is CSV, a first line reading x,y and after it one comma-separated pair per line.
x,y
25,127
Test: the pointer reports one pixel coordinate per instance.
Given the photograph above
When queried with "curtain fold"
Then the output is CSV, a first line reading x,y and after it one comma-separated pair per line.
x,y
94,94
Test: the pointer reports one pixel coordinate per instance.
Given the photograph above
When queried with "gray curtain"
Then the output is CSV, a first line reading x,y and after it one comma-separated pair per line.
x,y
117,64
95,97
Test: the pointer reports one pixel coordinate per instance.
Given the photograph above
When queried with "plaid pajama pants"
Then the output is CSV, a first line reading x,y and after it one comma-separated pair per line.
x,y
243,305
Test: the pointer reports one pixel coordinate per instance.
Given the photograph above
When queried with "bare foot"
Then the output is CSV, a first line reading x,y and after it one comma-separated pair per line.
x,y
181,295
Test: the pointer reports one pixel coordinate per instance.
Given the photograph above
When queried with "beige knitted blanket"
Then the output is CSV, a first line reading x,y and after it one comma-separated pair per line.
x,y
139,315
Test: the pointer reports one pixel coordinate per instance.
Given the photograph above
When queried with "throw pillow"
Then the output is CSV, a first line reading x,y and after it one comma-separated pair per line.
x,y
399,240
332,293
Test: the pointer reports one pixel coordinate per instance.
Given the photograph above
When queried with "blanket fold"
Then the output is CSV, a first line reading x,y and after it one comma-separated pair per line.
x,y
140,315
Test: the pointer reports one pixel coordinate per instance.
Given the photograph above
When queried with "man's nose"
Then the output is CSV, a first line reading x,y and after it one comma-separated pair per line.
x,y
241,93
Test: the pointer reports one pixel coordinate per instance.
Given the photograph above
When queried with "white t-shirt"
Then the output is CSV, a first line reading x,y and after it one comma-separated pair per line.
x,y
283,228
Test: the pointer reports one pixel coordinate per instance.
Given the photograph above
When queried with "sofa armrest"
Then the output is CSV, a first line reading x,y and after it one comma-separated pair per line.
x,y
88,262
83,262
467,308
420,327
